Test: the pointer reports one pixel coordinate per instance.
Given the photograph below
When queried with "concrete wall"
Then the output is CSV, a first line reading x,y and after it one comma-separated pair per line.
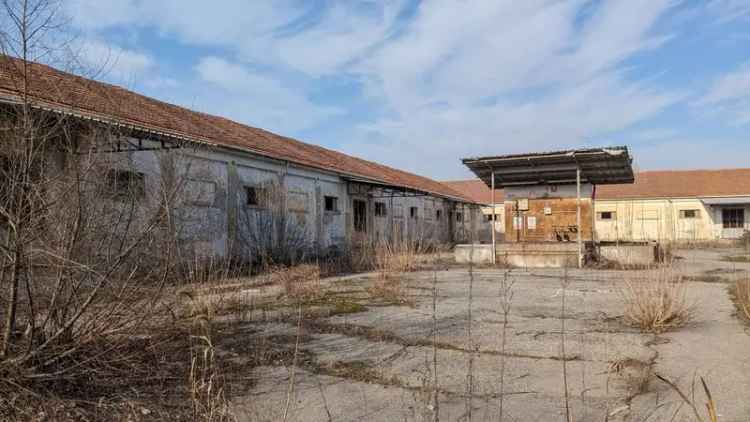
x,y
215,218
641,220
660,220
645,254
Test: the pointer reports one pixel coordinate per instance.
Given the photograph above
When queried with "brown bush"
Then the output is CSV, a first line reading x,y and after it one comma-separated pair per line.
x,y
741,294
657,302
299,282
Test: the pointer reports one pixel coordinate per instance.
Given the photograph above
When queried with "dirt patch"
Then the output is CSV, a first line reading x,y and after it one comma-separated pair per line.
x,y
736,258
706,278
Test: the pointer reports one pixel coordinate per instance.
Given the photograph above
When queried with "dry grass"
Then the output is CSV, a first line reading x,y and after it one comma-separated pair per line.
x,y
741,295
395,258
391,290
299,282
391,261
657,302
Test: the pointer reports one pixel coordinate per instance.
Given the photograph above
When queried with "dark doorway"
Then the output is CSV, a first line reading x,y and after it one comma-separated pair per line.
x,y
360,216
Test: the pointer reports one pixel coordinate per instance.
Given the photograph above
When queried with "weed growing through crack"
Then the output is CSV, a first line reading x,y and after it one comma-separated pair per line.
x,y
564,285
506,300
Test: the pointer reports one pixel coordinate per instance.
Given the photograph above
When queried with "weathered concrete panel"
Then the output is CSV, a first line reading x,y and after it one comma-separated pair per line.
x,y
624,254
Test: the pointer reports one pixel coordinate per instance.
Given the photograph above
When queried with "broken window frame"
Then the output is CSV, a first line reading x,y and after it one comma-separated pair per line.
x,y
380,209
331,203
606,215
124,184
256,196
414,213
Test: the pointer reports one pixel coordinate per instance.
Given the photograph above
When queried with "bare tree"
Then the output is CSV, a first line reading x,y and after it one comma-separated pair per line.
x,y
268,233
86,246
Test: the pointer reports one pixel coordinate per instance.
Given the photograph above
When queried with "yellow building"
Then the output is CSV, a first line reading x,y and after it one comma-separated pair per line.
x,y
681,206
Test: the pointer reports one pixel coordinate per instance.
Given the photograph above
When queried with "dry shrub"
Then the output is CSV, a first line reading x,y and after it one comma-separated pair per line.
x,y
205,383
390,289
657,302
391,260
299,282
395,258
741,294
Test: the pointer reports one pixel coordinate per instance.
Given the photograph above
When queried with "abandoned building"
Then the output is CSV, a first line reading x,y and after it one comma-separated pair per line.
x,y
661,206
232,168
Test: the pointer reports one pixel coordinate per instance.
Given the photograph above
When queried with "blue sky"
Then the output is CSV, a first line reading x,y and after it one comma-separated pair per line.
x,y
419,85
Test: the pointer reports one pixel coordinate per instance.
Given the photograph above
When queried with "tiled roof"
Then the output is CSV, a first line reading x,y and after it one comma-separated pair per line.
x,y
477,191
69,93
648,185
681,184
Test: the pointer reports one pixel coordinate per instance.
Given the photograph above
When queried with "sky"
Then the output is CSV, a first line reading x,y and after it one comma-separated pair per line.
x,y
418,85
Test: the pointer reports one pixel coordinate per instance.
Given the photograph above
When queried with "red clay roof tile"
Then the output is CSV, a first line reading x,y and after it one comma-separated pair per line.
x,y
71,93
648,185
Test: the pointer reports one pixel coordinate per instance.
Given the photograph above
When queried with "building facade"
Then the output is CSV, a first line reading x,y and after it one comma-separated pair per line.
x,y
244,186
666,206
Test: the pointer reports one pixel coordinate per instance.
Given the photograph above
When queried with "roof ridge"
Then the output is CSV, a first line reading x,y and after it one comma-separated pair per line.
x,y
119,103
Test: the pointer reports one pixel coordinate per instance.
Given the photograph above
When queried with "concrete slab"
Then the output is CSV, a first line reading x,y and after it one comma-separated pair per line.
x,y
377,365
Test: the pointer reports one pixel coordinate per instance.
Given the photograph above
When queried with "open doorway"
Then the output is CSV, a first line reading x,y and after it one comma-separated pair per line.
x,y
360,216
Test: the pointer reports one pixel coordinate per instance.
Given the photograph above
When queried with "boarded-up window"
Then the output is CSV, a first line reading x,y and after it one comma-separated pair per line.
x,y
398,211
200,192
331,203
297,202
689,213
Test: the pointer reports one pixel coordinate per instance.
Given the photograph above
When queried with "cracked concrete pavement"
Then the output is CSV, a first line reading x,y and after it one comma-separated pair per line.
x,y
377,365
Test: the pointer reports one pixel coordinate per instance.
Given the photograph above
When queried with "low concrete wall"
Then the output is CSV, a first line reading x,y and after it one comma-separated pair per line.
x,y
630,254
526,255
478,254
553,254
538,254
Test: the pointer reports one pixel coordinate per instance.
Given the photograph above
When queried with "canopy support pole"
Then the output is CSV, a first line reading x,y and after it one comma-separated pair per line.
x,y
578,216
493,221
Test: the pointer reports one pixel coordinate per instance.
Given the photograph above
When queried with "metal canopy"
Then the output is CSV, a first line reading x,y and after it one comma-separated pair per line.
x,y
599,166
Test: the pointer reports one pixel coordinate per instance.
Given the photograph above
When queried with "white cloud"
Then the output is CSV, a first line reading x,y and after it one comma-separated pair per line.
x,y
731,86
453,78
503,77
693,153
343,34
729,95
237,92
111,62
729,10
